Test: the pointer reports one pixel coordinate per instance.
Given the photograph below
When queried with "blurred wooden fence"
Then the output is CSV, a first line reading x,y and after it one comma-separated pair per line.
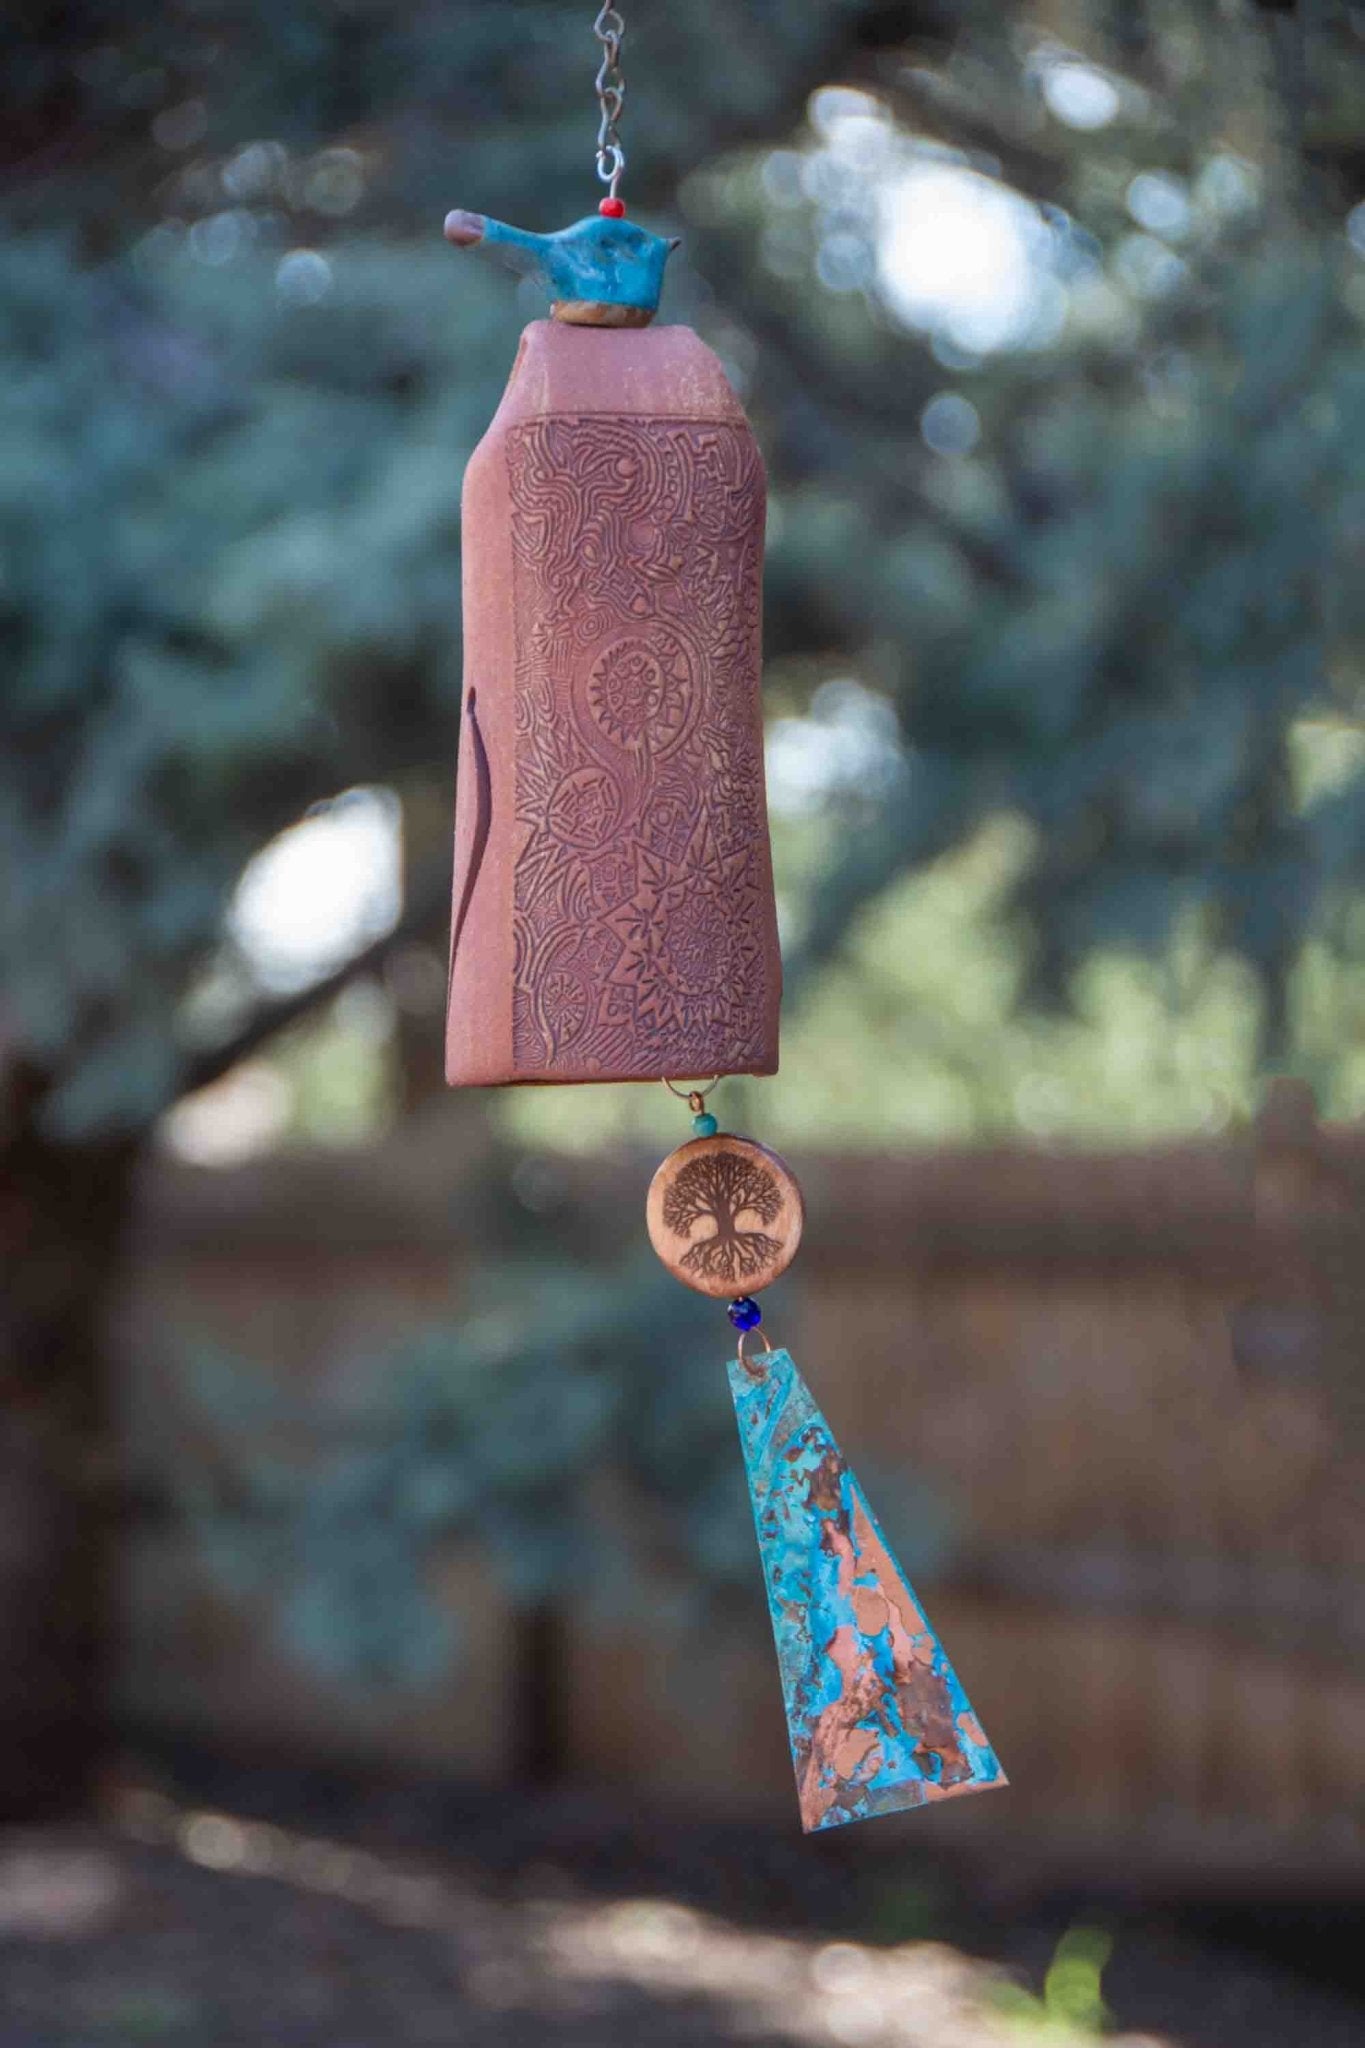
x,y
1136,1376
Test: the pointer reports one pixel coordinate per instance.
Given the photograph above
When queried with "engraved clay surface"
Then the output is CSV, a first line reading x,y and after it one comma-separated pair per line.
x,y
642,896
876,1715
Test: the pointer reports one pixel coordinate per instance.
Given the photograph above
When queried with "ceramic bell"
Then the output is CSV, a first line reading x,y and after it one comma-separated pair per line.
x,y
613,915
614,921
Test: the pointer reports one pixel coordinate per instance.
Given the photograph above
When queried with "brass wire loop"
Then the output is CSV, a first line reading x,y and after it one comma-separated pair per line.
x,y
691,1090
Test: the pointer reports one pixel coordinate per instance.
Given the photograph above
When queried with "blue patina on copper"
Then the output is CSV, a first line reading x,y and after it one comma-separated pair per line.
x,y
876,1714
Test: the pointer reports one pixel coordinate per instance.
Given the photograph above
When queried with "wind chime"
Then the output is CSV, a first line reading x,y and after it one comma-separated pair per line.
x,y
613,915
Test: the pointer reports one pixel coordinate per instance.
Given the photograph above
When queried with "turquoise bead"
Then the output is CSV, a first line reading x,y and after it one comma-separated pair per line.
x,y
704,1124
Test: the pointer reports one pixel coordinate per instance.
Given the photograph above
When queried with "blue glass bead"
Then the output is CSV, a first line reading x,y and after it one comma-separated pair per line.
x,y
745,1313
704,1124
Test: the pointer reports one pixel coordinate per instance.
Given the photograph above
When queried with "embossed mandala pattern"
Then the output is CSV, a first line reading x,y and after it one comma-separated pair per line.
x,y
641,891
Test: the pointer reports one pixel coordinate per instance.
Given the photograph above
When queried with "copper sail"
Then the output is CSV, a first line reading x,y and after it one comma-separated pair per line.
x,y
876,1715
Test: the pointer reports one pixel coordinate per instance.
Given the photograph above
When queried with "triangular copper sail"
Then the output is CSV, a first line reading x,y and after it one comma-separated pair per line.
x,y
876,1714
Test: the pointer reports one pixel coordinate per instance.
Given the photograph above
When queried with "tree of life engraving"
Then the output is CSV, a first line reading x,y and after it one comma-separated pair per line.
x,y
720,1188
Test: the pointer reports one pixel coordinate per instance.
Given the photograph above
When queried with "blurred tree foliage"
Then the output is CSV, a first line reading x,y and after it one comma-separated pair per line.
x,y
242,374
1079,598
611,1490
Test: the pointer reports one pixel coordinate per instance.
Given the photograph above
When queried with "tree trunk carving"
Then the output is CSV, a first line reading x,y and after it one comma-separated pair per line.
x,y
721,1188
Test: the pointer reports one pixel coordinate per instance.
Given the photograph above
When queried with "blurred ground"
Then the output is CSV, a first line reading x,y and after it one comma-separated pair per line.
x,y
185,1924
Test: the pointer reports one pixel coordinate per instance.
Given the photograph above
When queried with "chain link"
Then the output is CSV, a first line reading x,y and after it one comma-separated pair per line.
x,y
609,29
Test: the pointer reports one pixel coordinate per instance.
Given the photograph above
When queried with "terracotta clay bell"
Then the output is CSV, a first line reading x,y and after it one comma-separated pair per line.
x,y
613,914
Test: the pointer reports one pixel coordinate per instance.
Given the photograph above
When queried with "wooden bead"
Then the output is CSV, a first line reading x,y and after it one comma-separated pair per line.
x,y
599,313
725,1215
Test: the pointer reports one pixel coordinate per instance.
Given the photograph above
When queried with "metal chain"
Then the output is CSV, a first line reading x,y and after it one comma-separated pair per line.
x,y
609,29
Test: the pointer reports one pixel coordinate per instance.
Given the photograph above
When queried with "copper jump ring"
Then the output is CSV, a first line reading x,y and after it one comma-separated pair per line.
x,y
754,1371
692,1096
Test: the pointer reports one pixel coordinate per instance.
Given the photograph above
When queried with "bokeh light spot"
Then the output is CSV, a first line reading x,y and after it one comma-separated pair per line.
x,y
1080,95
950,424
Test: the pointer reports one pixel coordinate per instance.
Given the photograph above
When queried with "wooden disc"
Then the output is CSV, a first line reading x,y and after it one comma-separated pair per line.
x,y
725,1215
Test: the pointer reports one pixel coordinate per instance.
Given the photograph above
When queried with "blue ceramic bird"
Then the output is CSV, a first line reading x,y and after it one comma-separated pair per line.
x,y
605,272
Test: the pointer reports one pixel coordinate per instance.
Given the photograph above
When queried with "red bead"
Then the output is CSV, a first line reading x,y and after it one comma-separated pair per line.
x,y
612,208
